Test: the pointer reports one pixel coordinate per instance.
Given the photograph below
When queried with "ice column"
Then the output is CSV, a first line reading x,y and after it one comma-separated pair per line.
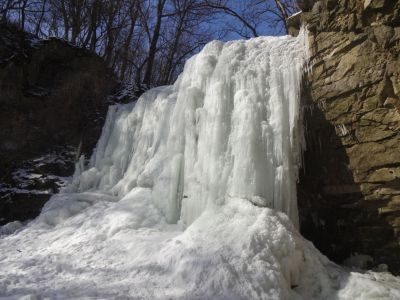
x,y
229,127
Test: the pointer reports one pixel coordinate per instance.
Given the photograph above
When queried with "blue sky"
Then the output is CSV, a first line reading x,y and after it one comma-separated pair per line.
x,y
263,28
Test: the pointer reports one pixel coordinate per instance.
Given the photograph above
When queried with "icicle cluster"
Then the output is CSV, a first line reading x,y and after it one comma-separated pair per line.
x,y
229,127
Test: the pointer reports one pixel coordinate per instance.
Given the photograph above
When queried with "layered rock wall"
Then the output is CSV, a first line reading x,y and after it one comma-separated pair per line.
x,y
51,93
349,192
52,99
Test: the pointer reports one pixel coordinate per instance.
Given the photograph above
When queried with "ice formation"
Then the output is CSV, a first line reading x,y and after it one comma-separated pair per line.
x,y
229,127
190,194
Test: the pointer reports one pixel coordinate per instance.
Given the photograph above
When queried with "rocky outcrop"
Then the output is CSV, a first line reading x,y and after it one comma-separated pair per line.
x,y
53,98
349,192
52,93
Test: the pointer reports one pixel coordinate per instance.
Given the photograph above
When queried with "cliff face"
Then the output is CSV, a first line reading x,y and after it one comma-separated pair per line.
x,y
52,99
349,193
51,94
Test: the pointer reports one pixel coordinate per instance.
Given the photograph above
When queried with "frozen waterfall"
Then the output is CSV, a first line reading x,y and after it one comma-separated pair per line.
x,y
229,127
176,200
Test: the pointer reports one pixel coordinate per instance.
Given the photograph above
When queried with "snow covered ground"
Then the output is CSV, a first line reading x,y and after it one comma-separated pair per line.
x,y
190,194
126,250
40,175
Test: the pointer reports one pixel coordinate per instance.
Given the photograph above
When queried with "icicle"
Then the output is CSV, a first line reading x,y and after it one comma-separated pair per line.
x,y
230,127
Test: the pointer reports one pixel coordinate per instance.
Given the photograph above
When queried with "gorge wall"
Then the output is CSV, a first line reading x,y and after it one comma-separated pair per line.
x,y
53,98
349,192
52,93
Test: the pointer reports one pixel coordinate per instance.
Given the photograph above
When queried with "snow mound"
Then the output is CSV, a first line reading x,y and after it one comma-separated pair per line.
x,y
10,228
127,250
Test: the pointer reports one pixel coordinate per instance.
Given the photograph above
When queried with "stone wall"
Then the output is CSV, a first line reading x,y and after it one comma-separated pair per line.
x,y
349,192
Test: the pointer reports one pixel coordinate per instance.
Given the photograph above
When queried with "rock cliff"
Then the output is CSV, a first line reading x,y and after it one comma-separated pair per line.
x,y
349,192
52,102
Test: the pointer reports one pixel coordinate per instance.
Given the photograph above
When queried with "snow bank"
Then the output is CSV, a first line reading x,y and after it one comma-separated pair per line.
x,y
127,249
10,228
182,197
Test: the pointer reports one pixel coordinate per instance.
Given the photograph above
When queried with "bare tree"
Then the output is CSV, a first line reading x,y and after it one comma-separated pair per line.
x,y
276,12
255,16
147,41
40,17
134,11
185,37
153,39
241,15
6,6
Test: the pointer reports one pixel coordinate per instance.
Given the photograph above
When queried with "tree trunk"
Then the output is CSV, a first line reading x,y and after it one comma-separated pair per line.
x,y
22,9
153,44
125,50
39,22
